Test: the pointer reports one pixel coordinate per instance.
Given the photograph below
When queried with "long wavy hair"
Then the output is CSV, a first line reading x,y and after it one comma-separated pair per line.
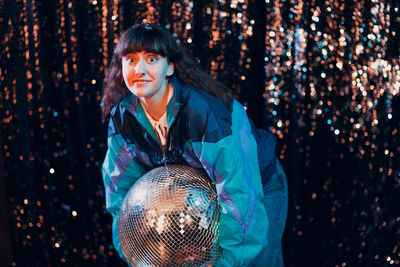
x,y
153,38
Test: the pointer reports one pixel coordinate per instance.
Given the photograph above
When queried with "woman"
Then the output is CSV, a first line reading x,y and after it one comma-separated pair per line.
x,y
164,109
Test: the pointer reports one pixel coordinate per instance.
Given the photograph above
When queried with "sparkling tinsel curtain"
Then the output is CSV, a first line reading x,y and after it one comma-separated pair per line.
x,y
323,76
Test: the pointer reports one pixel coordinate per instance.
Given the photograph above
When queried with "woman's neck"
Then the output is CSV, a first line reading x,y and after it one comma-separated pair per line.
x,y
157,107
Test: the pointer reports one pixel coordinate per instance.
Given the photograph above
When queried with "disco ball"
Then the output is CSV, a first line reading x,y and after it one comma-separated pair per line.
x,y
170,217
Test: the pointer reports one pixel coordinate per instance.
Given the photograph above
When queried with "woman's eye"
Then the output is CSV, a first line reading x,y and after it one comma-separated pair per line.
x,y
152,59
131,60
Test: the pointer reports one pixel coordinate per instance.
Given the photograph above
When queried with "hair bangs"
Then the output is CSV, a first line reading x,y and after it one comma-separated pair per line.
x,y
143,39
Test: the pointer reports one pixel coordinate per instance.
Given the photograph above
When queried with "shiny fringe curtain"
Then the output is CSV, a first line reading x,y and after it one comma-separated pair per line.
x,y
322,76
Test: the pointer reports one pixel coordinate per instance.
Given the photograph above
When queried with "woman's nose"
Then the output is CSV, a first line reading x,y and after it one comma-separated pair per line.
x,y
140,67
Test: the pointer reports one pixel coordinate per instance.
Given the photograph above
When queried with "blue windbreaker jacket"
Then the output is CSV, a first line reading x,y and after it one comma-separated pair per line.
x,y
202,133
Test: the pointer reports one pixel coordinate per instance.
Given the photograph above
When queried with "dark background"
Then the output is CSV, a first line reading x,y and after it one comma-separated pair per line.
x,y
323,76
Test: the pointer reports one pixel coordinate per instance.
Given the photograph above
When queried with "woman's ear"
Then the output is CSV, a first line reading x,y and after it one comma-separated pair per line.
x,y
171,69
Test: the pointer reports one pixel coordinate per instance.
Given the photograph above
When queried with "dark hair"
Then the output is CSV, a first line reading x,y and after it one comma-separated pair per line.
x,y
153,38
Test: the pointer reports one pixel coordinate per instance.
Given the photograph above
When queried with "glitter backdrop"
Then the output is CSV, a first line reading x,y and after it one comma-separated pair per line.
x,y
323,76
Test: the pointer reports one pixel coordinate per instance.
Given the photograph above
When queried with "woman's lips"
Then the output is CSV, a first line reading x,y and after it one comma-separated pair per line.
x,y
141,81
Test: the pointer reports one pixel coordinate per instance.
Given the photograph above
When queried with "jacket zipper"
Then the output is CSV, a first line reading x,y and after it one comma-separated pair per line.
x,y
167,147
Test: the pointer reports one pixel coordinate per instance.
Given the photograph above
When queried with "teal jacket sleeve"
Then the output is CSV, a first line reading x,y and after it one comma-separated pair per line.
x,y
120,171
232,163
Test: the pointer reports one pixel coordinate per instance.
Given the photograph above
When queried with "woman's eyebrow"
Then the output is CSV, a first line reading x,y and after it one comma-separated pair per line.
x,y
151,54
146,54
129,55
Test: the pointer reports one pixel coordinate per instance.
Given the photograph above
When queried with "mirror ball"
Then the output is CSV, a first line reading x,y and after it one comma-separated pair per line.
x,y
170,217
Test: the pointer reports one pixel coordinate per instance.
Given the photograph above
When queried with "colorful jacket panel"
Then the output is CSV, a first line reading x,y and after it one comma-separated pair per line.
x,y
202,133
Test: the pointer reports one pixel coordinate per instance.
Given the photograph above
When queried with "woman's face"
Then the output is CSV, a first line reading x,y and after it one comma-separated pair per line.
x,y
145,74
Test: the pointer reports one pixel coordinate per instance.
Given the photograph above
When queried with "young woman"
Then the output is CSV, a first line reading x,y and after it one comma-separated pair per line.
x,y
164,109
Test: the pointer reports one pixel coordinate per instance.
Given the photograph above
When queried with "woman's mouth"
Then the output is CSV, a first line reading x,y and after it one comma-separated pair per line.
x,y
141,82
